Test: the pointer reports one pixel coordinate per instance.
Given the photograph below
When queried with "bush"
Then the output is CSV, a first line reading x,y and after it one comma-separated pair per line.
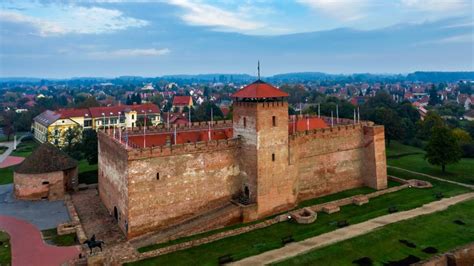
x,y
468,150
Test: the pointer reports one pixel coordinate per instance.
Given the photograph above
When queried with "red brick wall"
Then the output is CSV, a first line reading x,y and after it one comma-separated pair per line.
x,y
113,178
31,187
188,185
332,160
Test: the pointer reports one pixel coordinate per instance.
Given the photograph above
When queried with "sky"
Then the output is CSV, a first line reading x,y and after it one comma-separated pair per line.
x,y
109,38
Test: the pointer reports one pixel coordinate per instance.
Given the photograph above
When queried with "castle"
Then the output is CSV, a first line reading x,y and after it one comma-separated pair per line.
x,y
261,163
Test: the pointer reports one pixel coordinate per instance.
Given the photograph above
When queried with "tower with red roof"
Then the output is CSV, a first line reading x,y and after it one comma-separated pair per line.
x,y
260,120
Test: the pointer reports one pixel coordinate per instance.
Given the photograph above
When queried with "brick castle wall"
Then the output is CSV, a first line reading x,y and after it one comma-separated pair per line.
x,y
31,186
113,178
336,159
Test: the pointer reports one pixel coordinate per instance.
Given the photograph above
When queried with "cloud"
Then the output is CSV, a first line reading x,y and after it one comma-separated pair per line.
x,y
442,6
121,53
62,20
339,9
201,14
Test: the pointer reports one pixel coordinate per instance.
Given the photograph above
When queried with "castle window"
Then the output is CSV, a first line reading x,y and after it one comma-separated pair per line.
x,y
274,121
45,183
133,117
157,176
245,121
273,157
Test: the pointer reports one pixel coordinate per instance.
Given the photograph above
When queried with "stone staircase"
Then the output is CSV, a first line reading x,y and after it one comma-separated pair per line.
x,y
219,217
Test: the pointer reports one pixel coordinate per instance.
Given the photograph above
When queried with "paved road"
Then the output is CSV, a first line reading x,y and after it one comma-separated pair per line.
x,y
43,214
351,231
28,248
9,144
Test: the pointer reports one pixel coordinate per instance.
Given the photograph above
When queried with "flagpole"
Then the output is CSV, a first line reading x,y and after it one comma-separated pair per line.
x,y
332,119
144,131
319,110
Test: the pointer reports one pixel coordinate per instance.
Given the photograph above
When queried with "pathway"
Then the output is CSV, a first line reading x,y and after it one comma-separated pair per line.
x,y
297,248
28,247
9,144
433,177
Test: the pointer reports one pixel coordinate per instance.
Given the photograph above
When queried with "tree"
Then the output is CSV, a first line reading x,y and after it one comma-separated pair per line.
x,y
8,124
431,121
443,148
391,121
461,136
434,97
72,137
89,145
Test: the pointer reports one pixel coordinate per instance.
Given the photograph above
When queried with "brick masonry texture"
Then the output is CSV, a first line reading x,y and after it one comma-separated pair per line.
x,y
154,188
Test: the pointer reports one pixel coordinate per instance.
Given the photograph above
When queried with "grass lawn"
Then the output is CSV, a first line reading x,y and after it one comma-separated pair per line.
x,y
5,250
463,171
6,175
261,240
51,236
25,148
3,149
434,230
87,172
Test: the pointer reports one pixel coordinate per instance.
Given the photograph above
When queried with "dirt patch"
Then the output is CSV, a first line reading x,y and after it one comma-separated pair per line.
x,y
459,222
430,250
403,262
407,243
364,261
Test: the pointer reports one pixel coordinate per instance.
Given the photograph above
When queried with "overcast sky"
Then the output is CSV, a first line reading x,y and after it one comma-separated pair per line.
x,y
59,39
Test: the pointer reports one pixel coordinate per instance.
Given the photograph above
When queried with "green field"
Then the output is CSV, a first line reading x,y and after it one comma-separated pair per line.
x,y
403,156
51,236
261,240
87,172
6,175
25,148
436,230
5,249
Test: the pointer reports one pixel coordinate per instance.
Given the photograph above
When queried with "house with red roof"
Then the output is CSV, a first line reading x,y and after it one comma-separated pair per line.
x,y
52,125
179,102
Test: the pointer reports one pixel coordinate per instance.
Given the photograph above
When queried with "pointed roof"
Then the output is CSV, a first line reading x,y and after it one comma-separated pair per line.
x,y
259,89
45,159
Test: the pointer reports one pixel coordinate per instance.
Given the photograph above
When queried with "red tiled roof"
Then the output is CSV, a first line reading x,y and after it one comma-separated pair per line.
x,y
303,124
181,137
259,89
67,113
113,110
182,100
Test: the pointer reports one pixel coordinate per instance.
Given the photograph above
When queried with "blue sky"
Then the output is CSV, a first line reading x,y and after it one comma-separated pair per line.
x,y
108,38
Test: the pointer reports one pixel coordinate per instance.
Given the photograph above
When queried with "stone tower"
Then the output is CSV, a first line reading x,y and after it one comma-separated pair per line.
x,y
260,119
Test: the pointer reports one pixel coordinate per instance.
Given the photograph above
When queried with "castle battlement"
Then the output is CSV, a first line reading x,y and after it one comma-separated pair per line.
x,y
180,149
260,104
321,132
163,128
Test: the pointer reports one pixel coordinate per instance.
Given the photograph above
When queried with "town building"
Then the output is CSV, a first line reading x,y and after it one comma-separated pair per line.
x,y
48,173
51,125
261,163
180,102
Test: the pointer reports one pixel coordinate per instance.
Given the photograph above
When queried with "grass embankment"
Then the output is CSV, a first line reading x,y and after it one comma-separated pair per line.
x,y
52,237
265,239
412,158
25,148
5,249
438,231
88,173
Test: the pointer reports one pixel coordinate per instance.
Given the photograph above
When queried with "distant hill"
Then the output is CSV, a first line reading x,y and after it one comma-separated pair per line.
x,y
440,76
419,76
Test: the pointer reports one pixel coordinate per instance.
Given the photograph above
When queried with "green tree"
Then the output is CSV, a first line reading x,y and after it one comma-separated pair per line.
x,y
461,136
431,121
72,137
89,146
391,121
434,97
443,148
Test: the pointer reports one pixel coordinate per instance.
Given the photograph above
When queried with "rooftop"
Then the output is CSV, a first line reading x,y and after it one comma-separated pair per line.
x,y
259,90
46,159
